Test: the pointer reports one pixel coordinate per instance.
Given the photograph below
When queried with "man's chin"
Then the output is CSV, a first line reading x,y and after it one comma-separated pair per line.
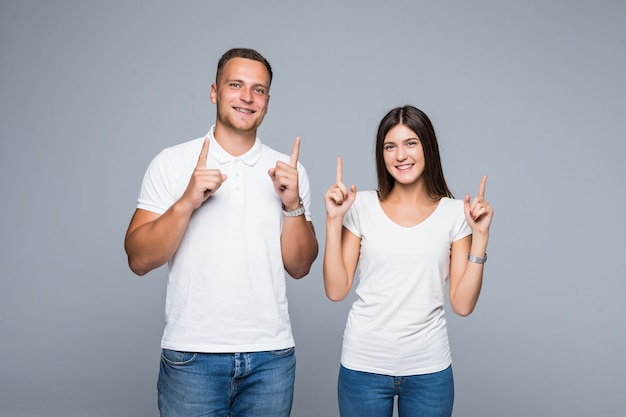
x,y
241,128
246,130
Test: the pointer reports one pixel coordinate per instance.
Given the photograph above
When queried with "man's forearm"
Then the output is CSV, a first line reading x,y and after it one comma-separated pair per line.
x,y
152,240
298,246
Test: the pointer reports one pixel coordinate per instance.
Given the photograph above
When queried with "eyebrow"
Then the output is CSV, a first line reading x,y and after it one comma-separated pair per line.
x,y
237,80
403,140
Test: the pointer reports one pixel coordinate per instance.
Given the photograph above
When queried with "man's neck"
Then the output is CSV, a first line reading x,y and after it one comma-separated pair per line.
x,y
233,142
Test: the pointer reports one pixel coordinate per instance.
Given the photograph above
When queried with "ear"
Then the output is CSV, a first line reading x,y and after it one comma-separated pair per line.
x,y
213,93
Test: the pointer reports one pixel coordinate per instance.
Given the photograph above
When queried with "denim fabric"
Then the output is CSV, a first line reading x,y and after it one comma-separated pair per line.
x,y
258,384
363,394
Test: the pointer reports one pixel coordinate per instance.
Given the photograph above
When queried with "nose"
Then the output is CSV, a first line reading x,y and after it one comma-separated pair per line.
x,y
246,95
401,153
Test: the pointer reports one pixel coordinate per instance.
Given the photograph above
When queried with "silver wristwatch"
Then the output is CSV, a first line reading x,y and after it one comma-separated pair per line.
x,y
297,212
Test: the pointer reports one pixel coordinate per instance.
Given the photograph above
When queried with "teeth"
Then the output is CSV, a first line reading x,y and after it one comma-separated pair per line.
x,y
244,111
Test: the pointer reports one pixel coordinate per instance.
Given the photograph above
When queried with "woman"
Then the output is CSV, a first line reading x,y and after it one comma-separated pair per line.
x,y
409,238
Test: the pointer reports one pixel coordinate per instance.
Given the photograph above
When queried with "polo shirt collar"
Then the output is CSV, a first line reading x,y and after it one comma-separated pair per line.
x,y
249,158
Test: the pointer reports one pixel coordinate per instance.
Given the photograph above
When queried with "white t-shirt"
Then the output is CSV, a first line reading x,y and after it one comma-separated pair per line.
x,y
226,287
397,324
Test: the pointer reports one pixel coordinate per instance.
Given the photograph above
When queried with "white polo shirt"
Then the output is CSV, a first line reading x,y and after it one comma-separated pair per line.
x,y
226,287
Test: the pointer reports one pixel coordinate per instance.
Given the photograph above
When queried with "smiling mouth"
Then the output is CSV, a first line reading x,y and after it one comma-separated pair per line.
x,y
404,167
244,111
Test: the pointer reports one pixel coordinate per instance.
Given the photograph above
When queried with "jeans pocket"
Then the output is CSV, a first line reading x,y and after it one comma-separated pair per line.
x,y
176,358
283,352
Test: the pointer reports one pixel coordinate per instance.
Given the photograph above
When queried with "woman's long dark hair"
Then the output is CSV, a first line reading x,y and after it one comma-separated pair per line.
x,y
418,122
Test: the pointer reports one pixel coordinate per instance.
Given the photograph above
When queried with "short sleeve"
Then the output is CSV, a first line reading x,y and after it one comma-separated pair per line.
x,y
461,228
155,194
351,219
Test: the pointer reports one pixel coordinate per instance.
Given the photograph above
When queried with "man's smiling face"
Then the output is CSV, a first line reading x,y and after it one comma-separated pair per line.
x,y
242,96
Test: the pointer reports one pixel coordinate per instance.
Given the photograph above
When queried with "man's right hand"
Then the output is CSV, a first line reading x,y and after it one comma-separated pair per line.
x,y
152,239
204,182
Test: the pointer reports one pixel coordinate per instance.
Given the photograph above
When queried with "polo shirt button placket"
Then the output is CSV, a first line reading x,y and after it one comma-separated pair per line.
x,y
239,189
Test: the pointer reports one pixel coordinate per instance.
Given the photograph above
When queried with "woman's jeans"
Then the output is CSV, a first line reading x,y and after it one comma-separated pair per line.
x,y
364,394
258,384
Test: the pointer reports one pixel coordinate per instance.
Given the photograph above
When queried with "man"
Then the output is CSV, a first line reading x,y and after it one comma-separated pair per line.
x,y
229,215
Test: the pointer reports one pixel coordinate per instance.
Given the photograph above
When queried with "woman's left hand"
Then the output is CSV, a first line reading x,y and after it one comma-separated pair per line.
x,y
479,214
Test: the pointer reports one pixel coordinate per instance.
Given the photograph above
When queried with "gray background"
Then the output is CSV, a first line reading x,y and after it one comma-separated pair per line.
x,y
532,93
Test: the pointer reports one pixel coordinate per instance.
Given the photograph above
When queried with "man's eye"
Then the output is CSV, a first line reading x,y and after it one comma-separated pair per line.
x,y
259,90
234,85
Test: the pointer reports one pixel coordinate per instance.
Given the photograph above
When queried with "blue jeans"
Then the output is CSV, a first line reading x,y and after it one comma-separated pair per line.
x,y
258,384
363,394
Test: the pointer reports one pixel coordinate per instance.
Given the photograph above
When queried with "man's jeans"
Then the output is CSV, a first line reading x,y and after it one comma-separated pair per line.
x,y
258,384
363,394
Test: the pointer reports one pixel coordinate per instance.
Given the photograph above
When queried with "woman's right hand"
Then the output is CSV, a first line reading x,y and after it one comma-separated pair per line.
x,y
338,199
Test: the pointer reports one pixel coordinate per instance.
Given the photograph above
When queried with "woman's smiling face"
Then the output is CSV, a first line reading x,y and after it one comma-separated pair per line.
x,y
403,155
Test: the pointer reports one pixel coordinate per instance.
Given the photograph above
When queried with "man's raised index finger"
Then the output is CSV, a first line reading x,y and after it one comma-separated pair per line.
x,y
293,160
481,187
203,154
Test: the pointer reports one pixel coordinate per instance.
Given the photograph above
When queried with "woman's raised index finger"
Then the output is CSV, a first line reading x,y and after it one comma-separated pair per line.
x,y
295,152
204,152
339,170
481,187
